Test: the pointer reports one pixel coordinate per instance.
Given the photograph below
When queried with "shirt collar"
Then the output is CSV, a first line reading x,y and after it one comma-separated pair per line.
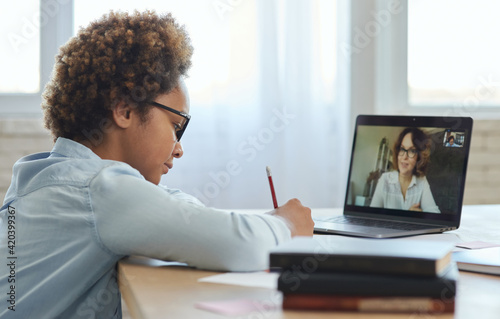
x,y
413,181
394,179
70,148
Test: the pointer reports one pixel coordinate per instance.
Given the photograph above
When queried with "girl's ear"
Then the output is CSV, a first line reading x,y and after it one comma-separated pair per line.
x,y
122,114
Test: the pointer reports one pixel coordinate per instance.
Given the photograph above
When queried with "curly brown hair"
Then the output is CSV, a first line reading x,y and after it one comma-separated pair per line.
x,y
422,143
131,57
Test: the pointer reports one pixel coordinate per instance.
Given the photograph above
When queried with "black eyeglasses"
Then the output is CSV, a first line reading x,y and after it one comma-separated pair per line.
x,y
179,129
411,152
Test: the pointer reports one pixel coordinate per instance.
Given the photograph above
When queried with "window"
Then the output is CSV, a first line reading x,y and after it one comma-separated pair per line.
x,y
437,57
20,42
218,30
453,52
31,35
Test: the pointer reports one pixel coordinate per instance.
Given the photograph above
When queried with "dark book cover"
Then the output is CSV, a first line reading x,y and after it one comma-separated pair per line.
x,y
352,284
375,256
415,305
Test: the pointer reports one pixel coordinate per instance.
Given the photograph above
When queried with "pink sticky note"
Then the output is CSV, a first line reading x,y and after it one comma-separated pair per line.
x,y
235,307
476,245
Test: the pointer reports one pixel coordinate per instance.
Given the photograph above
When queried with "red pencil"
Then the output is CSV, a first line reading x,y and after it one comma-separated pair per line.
x,y
273,194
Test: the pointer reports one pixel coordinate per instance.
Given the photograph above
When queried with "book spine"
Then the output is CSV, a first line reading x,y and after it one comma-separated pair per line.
x,y
421,305
359,264
370,285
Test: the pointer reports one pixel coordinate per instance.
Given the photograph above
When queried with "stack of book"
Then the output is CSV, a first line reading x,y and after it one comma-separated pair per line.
x,y
351,274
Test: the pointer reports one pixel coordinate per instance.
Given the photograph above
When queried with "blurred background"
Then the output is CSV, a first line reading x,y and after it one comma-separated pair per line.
x,y
279,83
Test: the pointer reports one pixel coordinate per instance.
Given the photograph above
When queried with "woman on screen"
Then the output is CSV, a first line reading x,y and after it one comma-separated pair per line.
x,y
407,187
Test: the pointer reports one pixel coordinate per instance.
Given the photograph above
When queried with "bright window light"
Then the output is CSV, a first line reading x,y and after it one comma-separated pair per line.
x,y
20,43
454,52
223,43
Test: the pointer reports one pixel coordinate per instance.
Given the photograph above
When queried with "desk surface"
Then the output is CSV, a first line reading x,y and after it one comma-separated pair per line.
x,y
151,291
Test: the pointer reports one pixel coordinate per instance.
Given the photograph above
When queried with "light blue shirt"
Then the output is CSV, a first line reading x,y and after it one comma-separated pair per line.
x,y
388,193
69,217
452,145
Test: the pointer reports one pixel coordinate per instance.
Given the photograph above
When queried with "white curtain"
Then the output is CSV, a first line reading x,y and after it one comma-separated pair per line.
x,y
267,88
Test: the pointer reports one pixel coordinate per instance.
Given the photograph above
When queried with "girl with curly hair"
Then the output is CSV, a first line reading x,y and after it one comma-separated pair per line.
x,y
117,107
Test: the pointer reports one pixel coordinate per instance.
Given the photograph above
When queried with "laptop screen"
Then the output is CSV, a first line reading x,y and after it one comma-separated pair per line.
x,y
409,167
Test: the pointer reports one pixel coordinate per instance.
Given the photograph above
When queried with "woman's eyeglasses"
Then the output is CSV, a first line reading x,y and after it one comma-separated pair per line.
x,y
411,152
179,130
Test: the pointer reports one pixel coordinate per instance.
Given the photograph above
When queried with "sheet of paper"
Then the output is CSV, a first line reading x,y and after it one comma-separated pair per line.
x,y
138,260
476,245
261,279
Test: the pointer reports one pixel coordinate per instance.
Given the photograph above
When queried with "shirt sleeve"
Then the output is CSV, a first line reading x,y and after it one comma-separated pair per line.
x,y
177,193
135,217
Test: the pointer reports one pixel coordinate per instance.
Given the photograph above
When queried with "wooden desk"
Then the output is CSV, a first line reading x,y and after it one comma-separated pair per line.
x,y
171,292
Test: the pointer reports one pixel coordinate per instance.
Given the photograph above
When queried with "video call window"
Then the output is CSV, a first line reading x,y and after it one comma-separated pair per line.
x,y
453,139
428,160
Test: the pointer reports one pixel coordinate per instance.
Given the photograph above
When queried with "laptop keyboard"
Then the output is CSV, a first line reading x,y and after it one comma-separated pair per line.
x,y
375,223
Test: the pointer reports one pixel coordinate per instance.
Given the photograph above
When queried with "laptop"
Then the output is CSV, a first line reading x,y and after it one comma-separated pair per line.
x,y
406,177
